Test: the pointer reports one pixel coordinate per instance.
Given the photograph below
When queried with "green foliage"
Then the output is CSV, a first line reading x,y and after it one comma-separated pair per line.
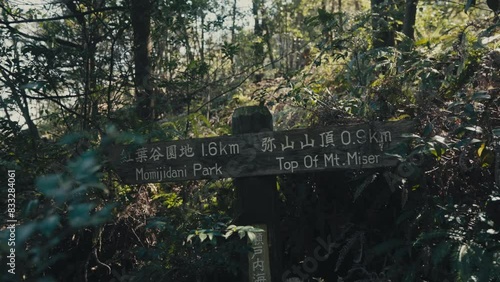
x,y
62,82
468,243
170,200
196,254
212,234
67,203
230,50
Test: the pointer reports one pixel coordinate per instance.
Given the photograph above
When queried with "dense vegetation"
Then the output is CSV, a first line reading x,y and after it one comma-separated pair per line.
x,y
77,76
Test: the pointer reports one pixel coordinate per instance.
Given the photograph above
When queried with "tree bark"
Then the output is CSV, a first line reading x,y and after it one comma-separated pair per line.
x,y
19,94
140,13
233,34
19,97
258,46
409,19
268,37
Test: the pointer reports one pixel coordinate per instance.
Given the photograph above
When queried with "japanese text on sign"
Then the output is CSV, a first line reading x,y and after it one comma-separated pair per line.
x,y
265,153
258,266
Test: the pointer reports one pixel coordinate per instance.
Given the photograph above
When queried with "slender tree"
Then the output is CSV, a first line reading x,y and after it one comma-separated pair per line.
x,y
140,14
410,18
258,31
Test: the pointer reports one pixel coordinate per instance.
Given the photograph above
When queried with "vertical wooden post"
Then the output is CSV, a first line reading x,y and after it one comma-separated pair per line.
x,y
257,197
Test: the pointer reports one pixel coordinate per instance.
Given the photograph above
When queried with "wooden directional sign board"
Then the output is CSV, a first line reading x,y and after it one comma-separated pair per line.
x,y
259,269
266,153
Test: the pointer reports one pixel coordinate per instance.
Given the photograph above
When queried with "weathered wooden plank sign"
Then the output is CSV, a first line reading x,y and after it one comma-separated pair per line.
x,y
266,153
259,269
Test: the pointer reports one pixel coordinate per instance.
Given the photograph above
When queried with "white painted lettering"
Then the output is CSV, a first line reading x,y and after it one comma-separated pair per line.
x,y
352,158
196,167
139,172
288,145
290,165
357,158
331,160
345,137
174,173
235,149
280,159
212,148
218,171
310,162
361,135
327,139
386,136
222,150
373,136
207,171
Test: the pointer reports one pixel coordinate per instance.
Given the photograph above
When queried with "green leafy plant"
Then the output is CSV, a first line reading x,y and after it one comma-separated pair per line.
x,y
213,234
202,253
467,242
66,204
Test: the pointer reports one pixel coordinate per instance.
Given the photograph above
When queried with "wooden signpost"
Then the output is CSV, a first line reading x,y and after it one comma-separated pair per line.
x,y
257,205
254,155
357,146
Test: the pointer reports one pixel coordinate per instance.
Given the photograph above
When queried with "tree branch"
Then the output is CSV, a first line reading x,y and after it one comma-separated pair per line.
x,y
238,84
37,38
116,8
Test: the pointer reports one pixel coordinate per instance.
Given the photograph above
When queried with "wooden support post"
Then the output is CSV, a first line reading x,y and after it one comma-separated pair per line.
x,y
257,197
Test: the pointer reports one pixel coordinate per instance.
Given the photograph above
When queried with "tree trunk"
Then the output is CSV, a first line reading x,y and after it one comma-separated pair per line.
x,y
233,35
140,13
233,22
268,37
89,50
19,95
409,19
258,45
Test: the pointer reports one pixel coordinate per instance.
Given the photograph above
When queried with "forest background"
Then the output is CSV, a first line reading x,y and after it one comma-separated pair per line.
x,y
77,76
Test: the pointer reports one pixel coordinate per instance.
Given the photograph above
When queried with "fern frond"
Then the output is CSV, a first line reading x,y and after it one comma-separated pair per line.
x,y
462,263
440,252
345,250
387,246
368,180
360,249
456,235
431,235
453,234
